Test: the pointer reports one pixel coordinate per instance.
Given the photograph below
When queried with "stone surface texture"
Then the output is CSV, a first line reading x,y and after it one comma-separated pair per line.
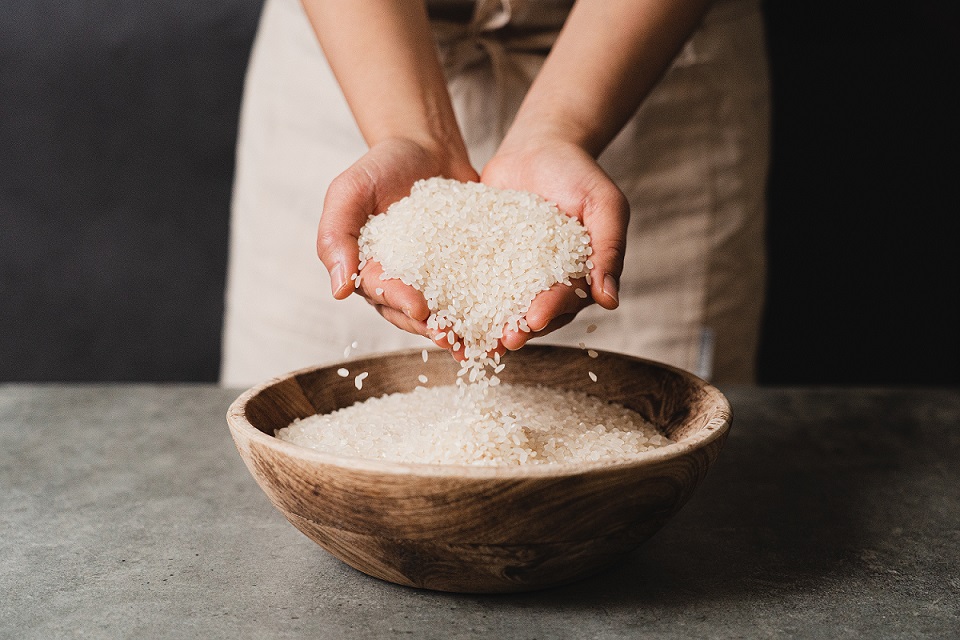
x,y
126,512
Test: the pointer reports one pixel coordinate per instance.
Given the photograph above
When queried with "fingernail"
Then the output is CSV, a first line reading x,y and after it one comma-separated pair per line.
x,y
610,288
536,327
338,277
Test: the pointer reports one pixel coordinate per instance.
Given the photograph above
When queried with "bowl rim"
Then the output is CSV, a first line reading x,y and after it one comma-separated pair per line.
x,y
716,427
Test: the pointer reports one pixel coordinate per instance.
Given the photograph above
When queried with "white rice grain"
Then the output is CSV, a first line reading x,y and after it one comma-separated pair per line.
x,y
358,381
531,425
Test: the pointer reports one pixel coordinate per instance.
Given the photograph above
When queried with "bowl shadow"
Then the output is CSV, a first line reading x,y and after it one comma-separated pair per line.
x,y
785,510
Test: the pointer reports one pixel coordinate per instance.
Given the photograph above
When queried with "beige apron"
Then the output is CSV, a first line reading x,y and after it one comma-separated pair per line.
x,y
692,163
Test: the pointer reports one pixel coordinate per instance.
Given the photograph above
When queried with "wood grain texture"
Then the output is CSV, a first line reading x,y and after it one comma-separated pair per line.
x,y
482,529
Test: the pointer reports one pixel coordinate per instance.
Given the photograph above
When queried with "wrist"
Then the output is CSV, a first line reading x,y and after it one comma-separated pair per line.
x,y
553,129
434,157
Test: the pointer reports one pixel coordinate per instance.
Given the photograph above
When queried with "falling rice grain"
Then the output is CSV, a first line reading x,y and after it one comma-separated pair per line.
x,y
424,355
592,375
580,293
592,353
358,381
591,328
422,378
343,373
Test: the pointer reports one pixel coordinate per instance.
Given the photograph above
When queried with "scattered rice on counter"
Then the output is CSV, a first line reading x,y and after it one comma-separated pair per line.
x,y
527,425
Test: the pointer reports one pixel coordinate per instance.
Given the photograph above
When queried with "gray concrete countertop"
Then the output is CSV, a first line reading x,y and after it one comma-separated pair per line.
x,y
126,512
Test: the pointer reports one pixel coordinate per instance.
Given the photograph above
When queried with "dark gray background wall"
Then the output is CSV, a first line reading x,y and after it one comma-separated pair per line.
x,y
117,126
116,160
864,262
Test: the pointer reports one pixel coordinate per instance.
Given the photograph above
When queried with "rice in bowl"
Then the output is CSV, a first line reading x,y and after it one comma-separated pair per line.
x,y
515,425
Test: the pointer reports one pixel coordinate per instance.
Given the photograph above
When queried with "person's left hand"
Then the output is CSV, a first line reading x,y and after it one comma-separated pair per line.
x,y
564,173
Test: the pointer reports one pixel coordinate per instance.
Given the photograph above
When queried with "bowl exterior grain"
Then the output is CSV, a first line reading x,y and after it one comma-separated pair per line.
x,y
482,529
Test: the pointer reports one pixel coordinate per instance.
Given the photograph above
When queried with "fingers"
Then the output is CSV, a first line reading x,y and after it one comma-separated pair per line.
x,y
606,213
392,293
546,309
558,300
419,327
403,321
513,340
400,304
350,200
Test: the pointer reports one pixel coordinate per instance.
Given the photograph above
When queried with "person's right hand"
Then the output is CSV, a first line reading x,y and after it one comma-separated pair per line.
x,y
382,176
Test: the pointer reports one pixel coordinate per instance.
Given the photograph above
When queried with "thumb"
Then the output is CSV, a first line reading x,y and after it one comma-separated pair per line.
x,y
349,202
606,213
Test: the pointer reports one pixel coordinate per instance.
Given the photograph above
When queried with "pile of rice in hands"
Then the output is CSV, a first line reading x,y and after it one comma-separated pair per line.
x,y
479,255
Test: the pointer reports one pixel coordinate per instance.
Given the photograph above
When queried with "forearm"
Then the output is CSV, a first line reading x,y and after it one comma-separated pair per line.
x,y
607,58
383,55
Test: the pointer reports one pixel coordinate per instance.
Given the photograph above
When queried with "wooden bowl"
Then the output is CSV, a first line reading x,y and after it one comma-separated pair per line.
x,y
482,529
